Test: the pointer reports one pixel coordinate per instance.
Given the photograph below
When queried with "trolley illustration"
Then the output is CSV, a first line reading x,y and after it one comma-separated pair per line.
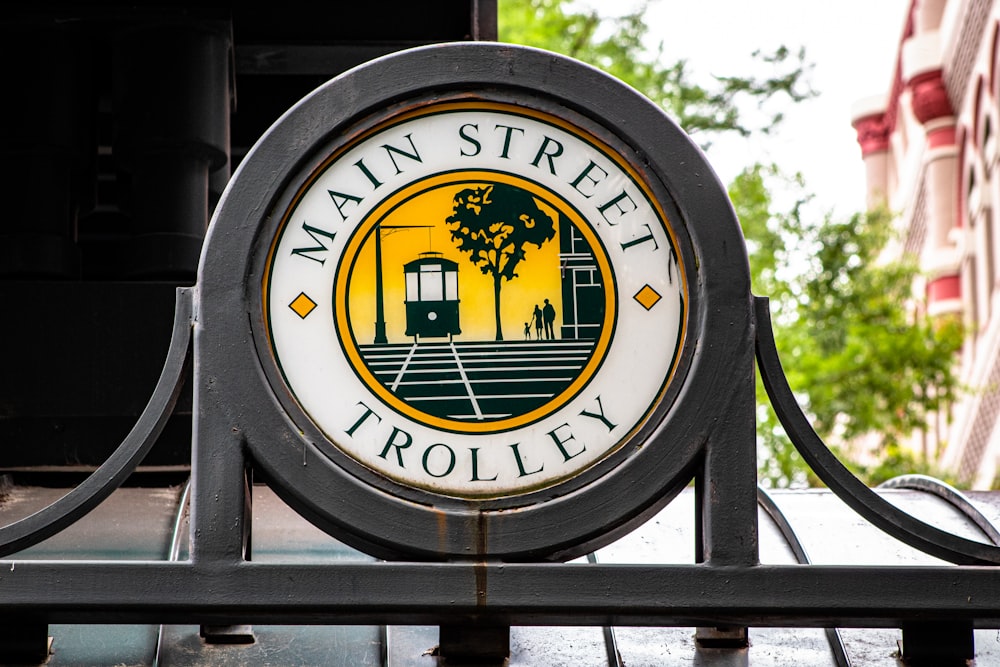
x,y
431,297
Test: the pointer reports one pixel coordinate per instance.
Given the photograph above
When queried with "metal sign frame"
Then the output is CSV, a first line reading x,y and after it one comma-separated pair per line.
x,y
605,500
491,568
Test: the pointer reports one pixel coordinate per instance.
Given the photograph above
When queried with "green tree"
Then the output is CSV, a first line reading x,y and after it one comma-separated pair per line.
x,y
766,229
494,224
617,45
872,362
861,356
860,359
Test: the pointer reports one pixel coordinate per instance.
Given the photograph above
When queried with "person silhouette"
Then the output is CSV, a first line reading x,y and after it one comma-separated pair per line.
x,y
527,331
537,317
549,315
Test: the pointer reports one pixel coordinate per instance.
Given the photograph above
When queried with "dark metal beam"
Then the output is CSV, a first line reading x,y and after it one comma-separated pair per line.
x,y
519,594
311,59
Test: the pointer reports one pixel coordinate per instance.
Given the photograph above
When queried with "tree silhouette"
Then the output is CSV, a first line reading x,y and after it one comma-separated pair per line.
x,y
494,223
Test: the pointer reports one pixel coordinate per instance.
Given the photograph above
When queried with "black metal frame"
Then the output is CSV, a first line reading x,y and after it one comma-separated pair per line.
x,y
605,501
712,418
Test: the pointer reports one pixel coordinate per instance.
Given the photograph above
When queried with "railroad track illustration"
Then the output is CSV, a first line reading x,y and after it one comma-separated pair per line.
x,y
477,381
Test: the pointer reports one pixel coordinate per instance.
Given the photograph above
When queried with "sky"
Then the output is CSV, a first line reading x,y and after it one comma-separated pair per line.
x,y
853,45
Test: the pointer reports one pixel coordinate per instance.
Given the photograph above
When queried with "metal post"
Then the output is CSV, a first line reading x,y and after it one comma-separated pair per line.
x,y
219,505
727,492
938,643
380,337
239,633
24,641
474,644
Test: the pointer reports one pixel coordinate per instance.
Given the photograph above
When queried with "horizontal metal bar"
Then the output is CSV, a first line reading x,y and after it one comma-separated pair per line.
x,y
947,492
514,594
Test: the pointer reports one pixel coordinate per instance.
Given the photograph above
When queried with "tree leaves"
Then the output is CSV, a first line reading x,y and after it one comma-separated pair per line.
x,y
866,362
862,357
494,223
617,45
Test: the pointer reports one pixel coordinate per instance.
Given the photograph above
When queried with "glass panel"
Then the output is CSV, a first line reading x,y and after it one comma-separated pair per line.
x,y
451,286
430,286
411,287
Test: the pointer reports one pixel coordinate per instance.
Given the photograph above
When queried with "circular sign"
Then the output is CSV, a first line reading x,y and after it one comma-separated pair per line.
x,y
473,301
476,299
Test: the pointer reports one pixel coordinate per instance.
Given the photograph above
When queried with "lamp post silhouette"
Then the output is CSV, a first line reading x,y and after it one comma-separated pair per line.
x,y
380,337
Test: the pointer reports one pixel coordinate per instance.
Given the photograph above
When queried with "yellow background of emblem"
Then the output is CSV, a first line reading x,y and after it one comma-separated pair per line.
x,y
354,310
538,275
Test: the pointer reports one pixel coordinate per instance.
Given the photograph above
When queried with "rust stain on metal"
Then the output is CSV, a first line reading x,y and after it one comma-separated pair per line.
x,y
442,530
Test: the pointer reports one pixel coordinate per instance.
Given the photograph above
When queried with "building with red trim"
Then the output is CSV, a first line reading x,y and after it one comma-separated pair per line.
x,y
929,146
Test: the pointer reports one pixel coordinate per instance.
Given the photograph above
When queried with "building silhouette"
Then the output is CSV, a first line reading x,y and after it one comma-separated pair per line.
x,y
582,291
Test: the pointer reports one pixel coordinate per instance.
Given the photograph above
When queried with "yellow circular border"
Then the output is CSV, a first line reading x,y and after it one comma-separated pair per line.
x,y
383,209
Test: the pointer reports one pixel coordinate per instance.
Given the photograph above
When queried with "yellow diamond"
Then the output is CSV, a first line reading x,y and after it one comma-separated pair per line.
x,y
647,297
302,305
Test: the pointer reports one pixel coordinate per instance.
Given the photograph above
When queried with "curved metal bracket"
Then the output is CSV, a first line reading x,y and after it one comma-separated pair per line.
x,y
948,493
123,461
840,480
766,502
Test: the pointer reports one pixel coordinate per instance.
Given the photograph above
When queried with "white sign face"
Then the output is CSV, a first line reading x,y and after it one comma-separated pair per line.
x,y
476,299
